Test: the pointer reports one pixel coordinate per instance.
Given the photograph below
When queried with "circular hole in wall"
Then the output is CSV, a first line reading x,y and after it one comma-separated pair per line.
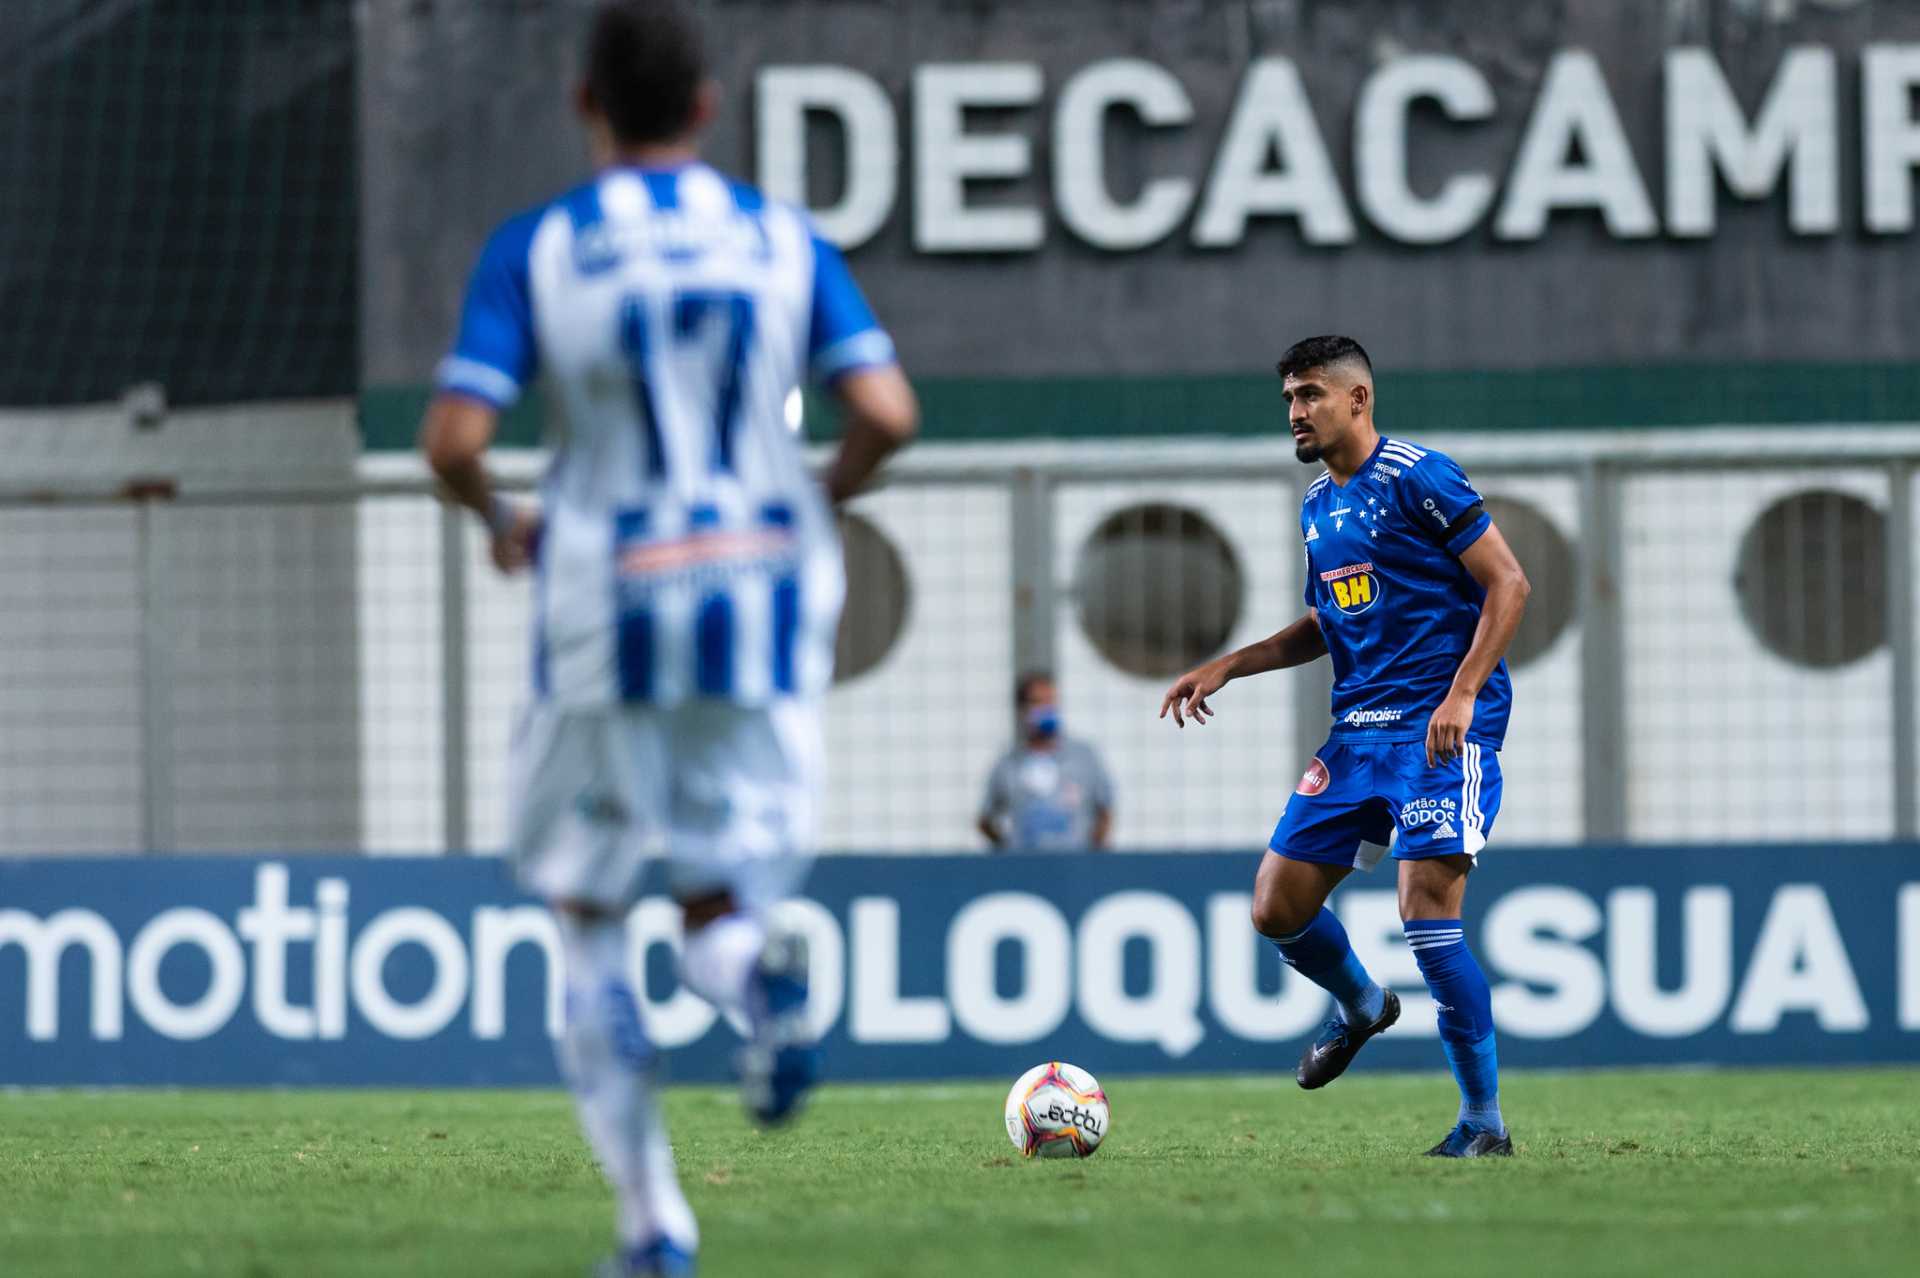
x,y
1157,588
1811,578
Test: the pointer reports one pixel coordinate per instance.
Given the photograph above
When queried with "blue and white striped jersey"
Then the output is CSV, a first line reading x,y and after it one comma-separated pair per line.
x,y
668,315
1397,607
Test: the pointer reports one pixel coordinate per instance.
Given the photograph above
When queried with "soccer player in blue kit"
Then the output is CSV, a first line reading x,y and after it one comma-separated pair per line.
x,y
1415,595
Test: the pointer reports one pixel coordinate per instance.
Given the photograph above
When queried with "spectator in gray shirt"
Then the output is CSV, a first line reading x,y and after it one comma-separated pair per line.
x,y
1050,793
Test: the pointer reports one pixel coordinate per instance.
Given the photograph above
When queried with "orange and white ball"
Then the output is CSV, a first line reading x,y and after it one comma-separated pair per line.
x,y
1057,1110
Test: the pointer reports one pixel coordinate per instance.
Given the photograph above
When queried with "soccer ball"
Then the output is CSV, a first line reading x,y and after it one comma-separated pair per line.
x,y
1057,1110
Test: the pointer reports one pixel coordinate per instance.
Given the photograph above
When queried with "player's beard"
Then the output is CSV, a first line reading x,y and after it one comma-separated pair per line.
x,y
1307,451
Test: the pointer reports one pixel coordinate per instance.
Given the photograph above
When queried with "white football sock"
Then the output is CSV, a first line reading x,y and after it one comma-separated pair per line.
x,y
609,1064
717,960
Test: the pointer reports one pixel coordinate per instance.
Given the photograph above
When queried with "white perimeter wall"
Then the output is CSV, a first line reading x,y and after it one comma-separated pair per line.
x,y
1726,740
304,674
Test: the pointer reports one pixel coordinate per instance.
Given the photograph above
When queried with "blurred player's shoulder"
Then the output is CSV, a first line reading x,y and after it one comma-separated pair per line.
x,y
779,217
748,198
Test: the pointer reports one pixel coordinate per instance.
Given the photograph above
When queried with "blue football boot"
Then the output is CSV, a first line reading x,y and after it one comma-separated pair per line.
x,y
661,1258
1466,1141
782,1061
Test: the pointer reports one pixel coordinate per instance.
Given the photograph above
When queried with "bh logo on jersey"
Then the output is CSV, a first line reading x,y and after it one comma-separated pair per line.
x,y
1354,587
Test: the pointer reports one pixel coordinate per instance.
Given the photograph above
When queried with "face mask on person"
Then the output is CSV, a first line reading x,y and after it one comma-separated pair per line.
x,y
1043,722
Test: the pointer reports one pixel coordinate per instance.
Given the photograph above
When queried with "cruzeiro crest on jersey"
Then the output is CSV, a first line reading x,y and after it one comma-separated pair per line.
x,y
1355,587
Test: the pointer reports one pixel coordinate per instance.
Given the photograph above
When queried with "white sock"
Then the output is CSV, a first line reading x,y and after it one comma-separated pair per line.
x,y
717,960
608,1063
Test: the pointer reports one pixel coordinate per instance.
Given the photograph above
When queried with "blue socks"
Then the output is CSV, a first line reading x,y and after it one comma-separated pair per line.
x,y
1466,1017
1321,953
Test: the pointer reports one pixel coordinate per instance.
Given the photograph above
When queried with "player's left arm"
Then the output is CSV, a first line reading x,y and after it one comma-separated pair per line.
x,y
852,356
1492,563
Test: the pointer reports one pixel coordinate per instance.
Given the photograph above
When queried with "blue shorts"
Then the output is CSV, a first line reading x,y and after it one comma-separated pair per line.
x,y
1357,797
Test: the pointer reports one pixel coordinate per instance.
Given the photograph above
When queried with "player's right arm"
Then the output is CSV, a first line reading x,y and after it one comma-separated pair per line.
x,y
1296,645
454,437
853,357
494,357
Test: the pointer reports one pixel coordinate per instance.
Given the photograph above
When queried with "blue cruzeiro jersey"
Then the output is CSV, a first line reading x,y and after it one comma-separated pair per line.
x,y
1396,605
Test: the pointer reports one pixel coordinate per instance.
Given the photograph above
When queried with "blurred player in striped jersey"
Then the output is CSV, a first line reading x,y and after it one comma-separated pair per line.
x,y
687,573
1415,595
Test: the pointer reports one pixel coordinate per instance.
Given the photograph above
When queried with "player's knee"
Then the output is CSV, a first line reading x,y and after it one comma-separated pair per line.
x,y
1432,889
1275,916
581,912
698,911
1418,902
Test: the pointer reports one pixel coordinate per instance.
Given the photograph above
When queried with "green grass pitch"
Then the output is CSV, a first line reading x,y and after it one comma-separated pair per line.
x,y
1739,1172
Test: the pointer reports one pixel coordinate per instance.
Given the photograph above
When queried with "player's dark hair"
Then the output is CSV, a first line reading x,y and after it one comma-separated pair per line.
x,y
1023,686
645,64
1321,352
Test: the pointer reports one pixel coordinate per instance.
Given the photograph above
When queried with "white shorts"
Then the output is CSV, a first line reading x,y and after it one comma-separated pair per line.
x,y
727,793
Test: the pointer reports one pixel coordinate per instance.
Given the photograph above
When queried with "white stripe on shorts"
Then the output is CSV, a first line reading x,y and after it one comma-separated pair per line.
x,y
1471,816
